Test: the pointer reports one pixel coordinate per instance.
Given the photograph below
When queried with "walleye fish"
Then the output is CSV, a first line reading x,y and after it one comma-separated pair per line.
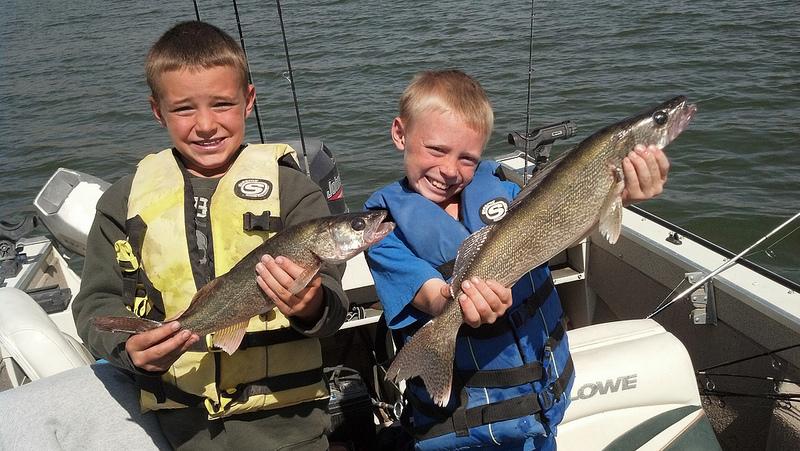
x,y
226,304
562,204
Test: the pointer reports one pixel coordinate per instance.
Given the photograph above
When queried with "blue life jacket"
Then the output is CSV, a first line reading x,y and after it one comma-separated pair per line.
x,y
512,377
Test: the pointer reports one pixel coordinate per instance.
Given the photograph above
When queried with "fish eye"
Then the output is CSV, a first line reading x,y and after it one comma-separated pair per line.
x,y
660,117
358,224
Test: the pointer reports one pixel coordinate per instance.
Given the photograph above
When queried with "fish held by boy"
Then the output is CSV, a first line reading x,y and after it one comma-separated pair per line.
x,y
562,204
226,304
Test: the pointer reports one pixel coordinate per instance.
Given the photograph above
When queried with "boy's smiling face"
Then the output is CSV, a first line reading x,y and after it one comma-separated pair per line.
x,y
441,155
204,111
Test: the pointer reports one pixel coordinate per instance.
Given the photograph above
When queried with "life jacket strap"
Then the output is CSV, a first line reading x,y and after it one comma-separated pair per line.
x,y
557,389
162,391
507,377
270,337
518,317
463,419
138,293
263,222
511,377
241,393
531,305
273,384
255,339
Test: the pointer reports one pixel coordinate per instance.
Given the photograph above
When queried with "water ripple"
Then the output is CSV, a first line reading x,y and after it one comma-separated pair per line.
x,y
73,92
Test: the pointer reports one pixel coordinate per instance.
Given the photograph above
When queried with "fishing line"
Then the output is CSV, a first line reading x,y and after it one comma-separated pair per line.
x,y
528,105
744,359
244,49
289,76
746,376
249,72
714,97
721,268
788,397
671,292
770,253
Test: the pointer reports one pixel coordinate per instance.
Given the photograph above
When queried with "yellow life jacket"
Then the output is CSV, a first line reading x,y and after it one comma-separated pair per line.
x,y
287,371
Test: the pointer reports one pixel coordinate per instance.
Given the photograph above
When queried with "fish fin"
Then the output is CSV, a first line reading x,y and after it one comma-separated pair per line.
x,y
469,247
127,324
230,338
611,213
538,176
424,356
204,290
304,278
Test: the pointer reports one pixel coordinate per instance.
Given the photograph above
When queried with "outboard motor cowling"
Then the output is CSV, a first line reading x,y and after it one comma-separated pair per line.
x,y
324,172
66,206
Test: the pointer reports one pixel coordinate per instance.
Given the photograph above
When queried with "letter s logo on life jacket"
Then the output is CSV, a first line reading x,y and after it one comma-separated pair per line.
x,y
494,210
253,189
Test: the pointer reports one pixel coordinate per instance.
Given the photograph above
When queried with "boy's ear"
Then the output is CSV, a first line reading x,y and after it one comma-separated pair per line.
x,y
251,99
157,111
399,133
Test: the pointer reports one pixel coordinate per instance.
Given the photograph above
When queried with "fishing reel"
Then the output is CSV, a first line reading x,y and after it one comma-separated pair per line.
x,y
540,141
11,252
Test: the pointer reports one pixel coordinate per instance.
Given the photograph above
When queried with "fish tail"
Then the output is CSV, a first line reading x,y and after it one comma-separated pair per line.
x,y
426,356
127,324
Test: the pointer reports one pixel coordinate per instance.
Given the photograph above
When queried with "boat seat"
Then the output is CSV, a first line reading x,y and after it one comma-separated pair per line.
x,y
33,341
635,388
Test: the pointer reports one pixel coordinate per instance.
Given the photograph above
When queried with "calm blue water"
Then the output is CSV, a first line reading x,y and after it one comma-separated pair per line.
x,y
72,89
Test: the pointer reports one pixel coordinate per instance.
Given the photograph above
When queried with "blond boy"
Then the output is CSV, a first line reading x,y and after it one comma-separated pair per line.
x,y
513,369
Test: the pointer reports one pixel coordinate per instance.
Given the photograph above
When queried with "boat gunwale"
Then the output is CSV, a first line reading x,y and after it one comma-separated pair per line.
x,y
773,276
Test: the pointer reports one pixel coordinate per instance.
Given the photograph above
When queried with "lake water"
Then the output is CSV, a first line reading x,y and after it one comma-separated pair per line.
x,y
73,94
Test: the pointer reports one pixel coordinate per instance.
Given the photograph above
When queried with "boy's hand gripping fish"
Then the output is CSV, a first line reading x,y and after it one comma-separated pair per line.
x,y
562,204
226,304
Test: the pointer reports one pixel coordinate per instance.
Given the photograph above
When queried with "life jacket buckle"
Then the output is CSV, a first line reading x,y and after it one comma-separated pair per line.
x,y
263,222
141,305
125,256
547,352
547,398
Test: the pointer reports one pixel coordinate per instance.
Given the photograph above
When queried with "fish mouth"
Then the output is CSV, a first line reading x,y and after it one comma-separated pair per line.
x,y
377,228
685,113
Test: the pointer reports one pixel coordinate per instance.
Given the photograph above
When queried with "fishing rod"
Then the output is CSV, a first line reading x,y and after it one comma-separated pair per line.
x,y
539,141
721,268
528,103
704,371
290,77
788,398
249,72
709,388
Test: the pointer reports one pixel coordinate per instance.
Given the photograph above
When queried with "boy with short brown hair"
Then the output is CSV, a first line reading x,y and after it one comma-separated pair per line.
x,y
181,217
